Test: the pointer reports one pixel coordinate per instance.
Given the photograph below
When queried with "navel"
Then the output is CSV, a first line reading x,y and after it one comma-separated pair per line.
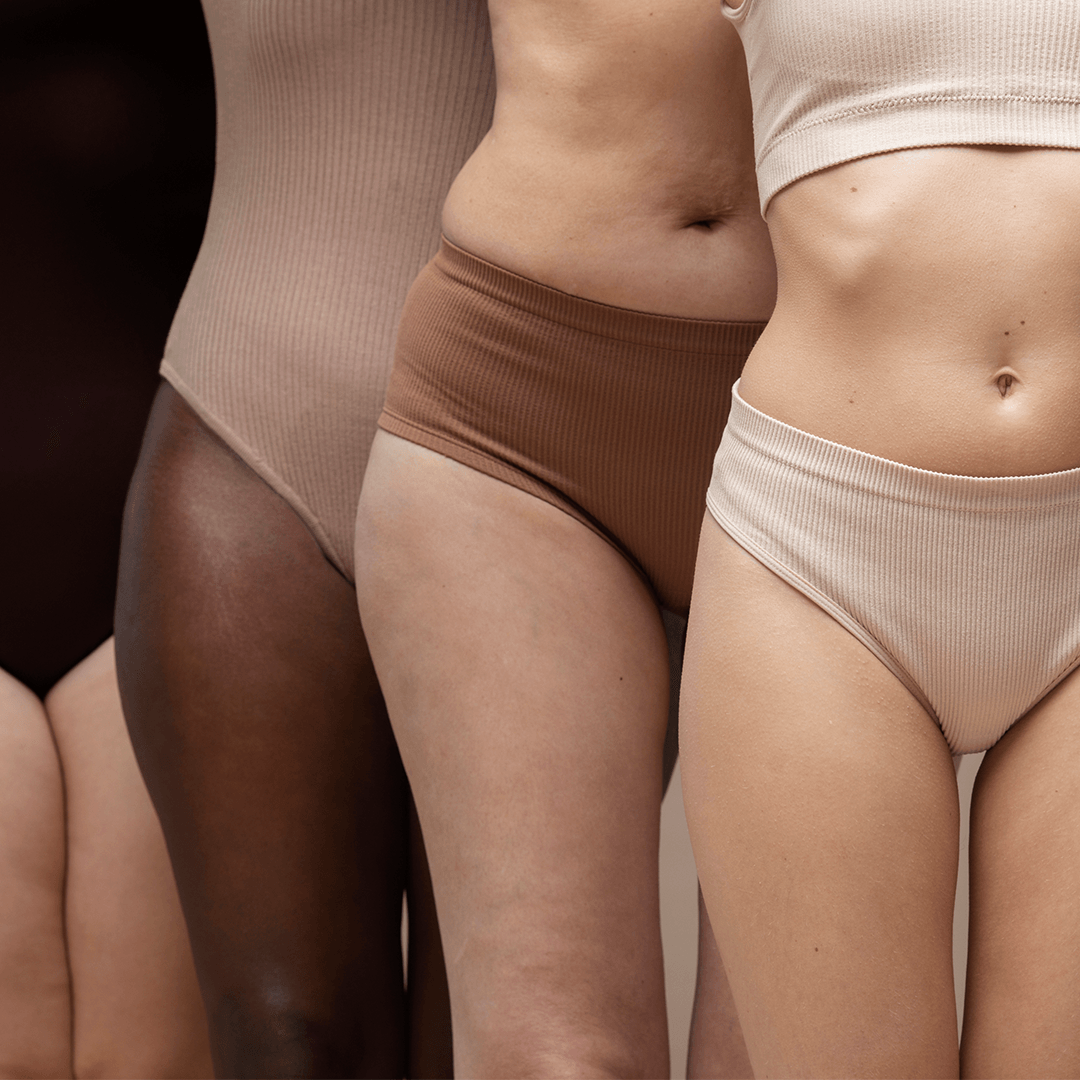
x,y
1006,380
706,224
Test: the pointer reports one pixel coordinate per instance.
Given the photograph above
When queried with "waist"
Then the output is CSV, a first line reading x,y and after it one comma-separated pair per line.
x,y
1010,413
679,239
927,309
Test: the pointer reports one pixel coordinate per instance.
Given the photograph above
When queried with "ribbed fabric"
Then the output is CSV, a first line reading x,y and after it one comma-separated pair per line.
x,y
611,415
835,80
341,124
967,588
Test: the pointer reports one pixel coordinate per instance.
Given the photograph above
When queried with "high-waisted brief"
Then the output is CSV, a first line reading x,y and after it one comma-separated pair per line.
x,y
611,415
967,588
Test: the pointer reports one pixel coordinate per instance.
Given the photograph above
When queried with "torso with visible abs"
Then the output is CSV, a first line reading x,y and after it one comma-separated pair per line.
x,y
619,167
928,309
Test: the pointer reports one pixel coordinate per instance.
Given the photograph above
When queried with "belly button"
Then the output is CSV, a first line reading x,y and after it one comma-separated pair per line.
x,y
1005,381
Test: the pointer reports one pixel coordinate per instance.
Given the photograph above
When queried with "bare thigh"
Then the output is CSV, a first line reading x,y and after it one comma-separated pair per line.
x,y
35,1004
1021,1007
135,1002
823,812
525,669
258,723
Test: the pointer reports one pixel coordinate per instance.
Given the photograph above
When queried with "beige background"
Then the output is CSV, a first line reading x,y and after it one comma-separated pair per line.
x,y
678,910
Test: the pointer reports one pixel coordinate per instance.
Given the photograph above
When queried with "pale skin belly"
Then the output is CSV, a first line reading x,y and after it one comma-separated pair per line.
x,y
929,309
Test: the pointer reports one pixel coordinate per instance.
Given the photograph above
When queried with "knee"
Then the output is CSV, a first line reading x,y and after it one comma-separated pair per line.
x,y
273,1033
552,1061
550,1049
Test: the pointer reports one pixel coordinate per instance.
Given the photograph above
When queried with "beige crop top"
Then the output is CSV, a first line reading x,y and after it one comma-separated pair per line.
x,y
835,80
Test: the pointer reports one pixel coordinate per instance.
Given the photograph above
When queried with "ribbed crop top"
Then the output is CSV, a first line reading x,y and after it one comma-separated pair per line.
x,y
836,80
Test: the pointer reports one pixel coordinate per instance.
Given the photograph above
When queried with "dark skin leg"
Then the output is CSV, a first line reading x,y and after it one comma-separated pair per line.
x,y
260,729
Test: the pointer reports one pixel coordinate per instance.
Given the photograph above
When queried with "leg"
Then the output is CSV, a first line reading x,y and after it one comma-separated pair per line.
x,y
525,668
717,1047
260,729
136,1004
823,812
35,1002
1024,938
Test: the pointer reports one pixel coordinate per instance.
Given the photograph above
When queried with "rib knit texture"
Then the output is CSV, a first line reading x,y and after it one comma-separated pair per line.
x,y
611,415
835,80
967,588
341,124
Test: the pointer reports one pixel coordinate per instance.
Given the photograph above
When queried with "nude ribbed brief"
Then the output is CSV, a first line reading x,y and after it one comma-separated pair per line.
x,y
611,415
967,588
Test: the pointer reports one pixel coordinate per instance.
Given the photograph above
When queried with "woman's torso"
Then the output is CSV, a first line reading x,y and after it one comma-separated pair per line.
x,y
927,298
928,309
619,167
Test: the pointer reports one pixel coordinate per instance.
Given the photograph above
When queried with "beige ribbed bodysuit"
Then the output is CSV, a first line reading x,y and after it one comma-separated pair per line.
x,y
341,124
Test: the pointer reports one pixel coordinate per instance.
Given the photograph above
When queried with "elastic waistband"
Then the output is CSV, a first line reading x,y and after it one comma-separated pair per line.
x,y
589,316
834,463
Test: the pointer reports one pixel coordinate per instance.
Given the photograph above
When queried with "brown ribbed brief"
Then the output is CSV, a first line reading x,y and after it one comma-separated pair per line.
x,y
611,415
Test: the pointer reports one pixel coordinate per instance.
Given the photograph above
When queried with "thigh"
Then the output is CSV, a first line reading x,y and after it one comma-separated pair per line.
x,y
525,668
35,1029
132,1015
259,727
823,812
1024,934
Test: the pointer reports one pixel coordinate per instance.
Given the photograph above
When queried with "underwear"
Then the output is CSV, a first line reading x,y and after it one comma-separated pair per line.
x,y
967,588
836,80
608,414
340,129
